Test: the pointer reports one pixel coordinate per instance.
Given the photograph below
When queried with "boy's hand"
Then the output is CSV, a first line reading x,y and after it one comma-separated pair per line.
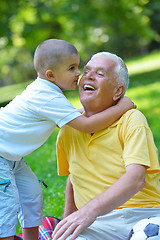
x,y
81,110
125,103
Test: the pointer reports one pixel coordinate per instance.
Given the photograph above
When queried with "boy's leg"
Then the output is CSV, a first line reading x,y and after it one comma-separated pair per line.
x,y
30,194
8,238
30,233
9,200
45,231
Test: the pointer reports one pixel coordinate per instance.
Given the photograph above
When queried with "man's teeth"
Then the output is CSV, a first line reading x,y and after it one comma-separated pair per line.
x,y
88,87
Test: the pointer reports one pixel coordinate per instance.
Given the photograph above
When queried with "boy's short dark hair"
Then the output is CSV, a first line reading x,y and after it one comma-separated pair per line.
x,y
50,53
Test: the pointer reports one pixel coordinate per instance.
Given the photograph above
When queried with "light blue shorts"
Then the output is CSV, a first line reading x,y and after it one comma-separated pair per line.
x,y
20,197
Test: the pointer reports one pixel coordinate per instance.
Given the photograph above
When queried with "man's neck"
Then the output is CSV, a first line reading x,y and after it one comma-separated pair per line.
x,y
93,109
89,112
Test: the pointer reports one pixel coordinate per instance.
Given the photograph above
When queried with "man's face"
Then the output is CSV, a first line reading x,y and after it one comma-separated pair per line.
x,y
97,85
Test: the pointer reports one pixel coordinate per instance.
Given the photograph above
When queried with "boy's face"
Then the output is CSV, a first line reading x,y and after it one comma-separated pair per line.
x,y
66,75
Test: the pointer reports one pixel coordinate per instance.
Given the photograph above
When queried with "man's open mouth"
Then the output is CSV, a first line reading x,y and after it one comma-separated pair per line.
x,y
88,87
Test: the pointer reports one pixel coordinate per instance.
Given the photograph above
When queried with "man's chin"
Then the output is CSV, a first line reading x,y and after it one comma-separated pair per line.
x,y
87,99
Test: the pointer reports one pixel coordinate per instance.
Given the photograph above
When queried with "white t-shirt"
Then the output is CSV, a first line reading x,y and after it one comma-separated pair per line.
x,y
30,118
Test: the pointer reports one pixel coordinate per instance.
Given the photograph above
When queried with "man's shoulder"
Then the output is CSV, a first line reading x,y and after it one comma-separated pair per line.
x,y
134,113
66,136
66,130
134,117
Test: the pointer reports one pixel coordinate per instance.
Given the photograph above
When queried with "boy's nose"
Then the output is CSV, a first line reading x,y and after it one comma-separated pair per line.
x,y
78,73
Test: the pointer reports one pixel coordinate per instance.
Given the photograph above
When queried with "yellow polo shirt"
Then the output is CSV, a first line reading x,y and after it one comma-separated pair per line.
x,y
96,161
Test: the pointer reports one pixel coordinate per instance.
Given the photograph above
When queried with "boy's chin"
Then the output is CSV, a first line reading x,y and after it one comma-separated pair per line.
x,y
74,88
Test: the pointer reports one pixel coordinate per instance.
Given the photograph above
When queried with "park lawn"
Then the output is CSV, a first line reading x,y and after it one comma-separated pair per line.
x,y
144,90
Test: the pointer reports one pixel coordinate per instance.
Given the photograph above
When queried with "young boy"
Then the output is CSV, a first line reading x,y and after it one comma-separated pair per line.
x,y
27,122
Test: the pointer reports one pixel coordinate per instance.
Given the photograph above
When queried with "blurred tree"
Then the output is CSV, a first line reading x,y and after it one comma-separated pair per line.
x,y
153,12
24,25
120,26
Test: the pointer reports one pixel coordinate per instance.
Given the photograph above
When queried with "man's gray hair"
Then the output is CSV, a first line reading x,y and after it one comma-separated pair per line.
x,y
120,70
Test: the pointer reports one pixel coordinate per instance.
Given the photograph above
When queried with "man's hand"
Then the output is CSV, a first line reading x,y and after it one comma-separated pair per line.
x,y
131,182
74,224
126,104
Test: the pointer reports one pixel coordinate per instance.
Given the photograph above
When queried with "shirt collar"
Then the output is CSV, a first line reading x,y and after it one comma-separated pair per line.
x,y
52,85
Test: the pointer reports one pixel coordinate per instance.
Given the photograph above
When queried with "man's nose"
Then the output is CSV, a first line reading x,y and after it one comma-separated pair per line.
x,y
90,74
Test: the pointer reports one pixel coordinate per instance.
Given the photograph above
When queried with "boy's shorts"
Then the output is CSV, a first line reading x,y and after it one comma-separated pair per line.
x,y
20,197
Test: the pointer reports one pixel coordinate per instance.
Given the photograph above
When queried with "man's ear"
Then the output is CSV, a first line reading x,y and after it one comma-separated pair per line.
x,y
119,91
50,75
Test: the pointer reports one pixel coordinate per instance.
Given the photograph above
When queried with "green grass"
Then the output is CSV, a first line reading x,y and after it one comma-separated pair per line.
x,y
146,63
9,92
144,90
147,99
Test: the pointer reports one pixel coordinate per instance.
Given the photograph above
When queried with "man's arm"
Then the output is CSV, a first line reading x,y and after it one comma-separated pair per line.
x,y
102,119
70,206
120,192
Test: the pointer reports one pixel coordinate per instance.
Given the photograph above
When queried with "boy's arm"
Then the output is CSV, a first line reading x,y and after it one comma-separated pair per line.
x,y
102,119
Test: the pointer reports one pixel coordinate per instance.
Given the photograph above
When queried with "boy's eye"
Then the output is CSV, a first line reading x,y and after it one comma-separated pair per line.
x,y
72,68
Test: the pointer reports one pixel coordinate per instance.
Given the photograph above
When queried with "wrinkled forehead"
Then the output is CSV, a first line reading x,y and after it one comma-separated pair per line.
x,y
101,62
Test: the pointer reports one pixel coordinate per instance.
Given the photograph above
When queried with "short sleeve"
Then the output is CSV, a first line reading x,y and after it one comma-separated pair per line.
x,y
62,163
139,146
59,110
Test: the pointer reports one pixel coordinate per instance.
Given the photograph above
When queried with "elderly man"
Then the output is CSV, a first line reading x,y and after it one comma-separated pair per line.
x,y
113,174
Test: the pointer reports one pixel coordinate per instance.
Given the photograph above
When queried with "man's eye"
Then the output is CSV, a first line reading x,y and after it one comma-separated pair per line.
x,y
100,73
86,71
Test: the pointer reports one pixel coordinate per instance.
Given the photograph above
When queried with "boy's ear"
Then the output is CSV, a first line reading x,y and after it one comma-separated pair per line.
x,y
50,75
119,91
